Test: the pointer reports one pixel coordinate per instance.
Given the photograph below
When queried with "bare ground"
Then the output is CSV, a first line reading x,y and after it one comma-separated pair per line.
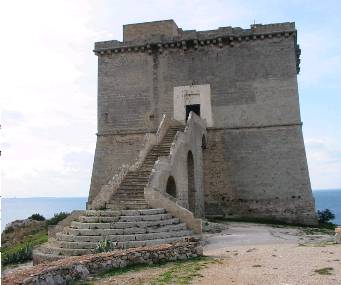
x,y
254,254
258,254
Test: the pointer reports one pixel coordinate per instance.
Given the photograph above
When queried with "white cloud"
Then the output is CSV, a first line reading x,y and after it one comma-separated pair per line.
x,y
47,113
324,160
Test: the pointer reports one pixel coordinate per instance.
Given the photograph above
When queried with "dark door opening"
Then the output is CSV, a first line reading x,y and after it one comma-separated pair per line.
x,y
195,108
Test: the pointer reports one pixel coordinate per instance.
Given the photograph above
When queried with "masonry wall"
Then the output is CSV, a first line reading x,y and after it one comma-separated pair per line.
x,y
111,152
258,173
255,144
125,113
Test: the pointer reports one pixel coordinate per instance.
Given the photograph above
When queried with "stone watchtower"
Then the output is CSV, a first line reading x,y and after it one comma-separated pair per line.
x,y
241,82
190,125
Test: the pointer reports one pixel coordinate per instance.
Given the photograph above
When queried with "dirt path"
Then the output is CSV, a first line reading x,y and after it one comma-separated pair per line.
x,y
256,254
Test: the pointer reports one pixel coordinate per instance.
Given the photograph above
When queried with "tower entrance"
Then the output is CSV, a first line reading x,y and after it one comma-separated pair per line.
x,y
195,108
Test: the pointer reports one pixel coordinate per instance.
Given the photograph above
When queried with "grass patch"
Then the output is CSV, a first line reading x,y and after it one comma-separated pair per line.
x,y
183,272
319,244
179,272
22,251
325,228
265,221
318,231
324,271
128,269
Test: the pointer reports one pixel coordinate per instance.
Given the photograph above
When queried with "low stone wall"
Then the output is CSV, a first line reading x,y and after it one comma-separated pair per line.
x,y
66,270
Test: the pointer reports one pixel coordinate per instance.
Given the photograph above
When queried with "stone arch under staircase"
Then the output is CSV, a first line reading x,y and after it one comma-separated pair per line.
x,y
132,216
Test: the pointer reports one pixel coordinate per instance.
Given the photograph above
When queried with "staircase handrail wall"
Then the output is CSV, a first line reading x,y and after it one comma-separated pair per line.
x,y
155,193
157,199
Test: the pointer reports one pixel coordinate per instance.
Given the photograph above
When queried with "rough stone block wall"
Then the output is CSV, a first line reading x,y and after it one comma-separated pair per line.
x,y
111,152
258,173
125,93
146,31
252,74
252,83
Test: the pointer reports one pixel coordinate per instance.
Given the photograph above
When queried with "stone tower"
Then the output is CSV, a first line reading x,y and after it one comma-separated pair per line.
x,y
242,82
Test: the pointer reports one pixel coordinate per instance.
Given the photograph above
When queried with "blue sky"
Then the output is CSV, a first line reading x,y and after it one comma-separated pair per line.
x,y
49,81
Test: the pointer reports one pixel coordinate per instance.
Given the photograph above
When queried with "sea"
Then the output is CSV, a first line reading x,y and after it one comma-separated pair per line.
x,y
21,208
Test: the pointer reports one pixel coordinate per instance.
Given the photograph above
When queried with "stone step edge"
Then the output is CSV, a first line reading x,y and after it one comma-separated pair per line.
x,y
120,225
123,231
120,245
131,237
125,212
140,218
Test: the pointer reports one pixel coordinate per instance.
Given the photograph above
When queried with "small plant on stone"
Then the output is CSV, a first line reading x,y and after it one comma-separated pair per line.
x,y
105,246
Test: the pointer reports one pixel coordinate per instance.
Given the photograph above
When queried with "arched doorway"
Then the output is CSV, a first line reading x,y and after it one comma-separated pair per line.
x,y
171,186
191,184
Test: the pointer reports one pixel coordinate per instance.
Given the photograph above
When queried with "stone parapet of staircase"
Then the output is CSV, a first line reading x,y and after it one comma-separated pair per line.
x,y
192,139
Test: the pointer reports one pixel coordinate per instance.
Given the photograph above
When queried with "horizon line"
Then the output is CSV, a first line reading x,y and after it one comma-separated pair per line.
x,y
24,197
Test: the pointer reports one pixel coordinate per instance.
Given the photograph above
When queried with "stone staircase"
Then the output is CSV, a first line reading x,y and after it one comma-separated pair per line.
x,y
130,194
127,220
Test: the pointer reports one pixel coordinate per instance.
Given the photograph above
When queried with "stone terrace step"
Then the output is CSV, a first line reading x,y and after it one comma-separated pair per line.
x,y
54,249
86,234
69,250
134,218
124,225
106,213
93,240
124,205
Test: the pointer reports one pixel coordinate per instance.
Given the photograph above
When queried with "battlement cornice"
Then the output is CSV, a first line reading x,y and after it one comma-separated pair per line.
x,y
192,39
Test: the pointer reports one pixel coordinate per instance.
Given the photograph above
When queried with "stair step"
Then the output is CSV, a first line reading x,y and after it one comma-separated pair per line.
x,y
130,195
128,231
153,211
91,246
119,238
132,186
55,250
127,206
91,229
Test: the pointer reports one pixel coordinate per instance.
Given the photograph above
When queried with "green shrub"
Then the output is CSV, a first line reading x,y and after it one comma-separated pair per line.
x,y
105,246
21,254
57,218
8,230
325,216
37,217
